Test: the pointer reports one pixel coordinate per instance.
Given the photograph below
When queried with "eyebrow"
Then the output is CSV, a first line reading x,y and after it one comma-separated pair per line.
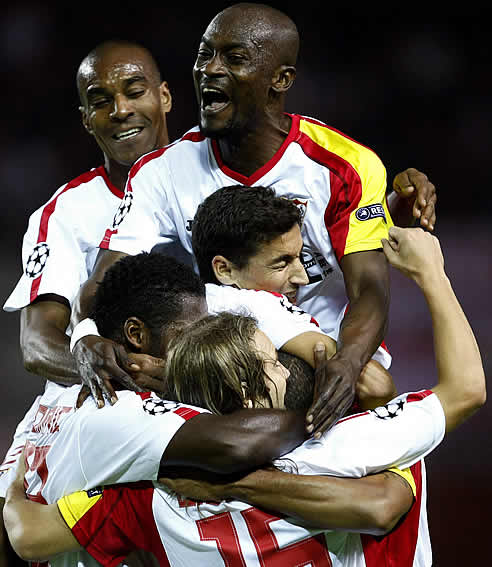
x,y
96,89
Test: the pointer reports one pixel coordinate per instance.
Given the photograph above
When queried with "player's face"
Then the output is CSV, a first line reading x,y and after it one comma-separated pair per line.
x,y
276,373
124,105
276,267
232,76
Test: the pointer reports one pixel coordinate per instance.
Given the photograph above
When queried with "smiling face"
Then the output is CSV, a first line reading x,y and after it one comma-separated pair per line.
x,y
233,74
276,374
275,267
124,104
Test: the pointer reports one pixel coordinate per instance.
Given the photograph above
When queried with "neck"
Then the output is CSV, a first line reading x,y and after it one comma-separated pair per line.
x,y
247,152
117,173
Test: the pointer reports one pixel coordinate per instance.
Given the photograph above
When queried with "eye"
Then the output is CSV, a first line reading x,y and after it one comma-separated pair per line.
x,y
136,93
99,102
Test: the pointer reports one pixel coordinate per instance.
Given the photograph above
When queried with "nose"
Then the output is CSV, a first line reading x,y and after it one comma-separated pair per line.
x,y
298,275
213,66
122,108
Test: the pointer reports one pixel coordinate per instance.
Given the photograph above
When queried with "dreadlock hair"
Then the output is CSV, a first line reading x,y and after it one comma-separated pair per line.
x,y
235,221
150,286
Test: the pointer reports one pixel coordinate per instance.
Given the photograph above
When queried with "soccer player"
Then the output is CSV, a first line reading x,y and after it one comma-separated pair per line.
x,y
177,530
244,68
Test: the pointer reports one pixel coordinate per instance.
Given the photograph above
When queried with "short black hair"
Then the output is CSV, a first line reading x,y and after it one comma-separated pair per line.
x,y
150,286
300,385
234,221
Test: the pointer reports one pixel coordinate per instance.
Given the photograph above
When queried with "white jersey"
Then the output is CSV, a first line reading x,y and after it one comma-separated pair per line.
x,y
68,449
111,522
339,185
59,250
61,243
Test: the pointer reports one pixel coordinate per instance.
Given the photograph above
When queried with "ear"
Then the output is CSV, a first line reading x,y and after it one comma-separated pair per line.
x,y
166,98
137,334
85,119
223,270
283,78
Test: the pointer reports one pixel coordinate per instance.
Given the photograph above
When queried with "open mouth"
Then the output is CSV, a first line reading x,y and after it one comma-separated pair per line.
x,y
127,134
214,100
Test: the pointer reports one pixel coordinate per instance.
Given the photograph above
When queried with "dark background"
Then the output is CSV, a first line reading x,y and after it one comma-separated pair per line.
x,y
413,85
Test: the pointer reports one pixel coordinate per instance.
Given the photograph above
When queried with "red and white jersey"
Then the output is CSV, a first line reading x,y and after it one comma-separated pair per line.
x,y
339,184
276,316
113,521
61,243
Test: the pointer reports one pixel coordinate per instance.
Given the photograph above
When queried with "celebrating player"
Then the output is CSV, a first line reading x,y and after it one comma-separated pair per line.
x,y
177,530
244,67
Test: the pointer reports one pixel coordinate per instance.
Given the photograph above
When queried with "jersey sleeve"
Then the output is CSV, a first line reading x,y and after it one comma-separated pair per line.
x,y
141,220
52,257
357,216
125,442
276,316
103,520
396,435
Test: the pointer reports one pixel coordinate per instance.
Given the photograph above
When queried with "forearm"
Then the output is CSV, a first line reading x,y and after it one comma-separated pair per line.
x,y
44,343
363,328
461,386
36,531
364,505
240,441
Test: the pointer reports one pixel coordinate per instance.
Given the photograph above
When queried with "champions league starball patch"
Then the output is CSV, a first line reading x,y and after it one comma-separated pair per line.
x,y
155,406
389,411
37,260
123,209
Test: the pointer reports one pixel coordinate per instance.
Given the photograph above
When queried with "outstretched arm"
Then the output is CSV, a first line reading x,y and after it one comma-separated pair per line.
x,y
461,379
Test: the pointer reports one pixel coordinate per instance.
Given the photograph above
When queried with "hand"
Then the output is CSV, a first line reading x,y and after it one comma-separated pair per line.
x,y
414,185
148,372
99,361
415,253
334,391
375,386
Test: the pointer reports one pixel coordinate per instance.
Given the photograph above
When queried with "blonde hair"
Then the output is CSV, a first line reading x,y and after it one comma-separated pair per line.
x,y
214,364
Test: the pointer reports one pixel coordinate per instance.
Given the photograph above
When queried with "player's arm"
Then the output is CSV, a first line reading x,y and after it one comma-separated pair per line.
x,y
372,504
461,380
413,199
240,441
361,332
45,347
36,531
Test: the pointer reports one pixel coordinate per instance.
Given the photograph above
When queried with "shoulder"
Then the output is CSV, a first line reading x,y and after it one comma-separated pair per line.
x,y
335,149
192,141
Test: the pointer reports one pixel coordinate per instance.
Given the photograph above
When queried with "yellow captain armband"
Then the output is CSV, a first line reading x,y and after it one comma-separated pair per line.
x,y
408,476
74,506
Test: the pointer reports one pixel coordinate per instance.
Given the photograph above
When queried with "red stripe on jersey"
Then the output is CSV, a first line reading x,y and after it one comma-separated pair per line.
x,y
417,396
137,166
264,169
346,191
144,395
398,547
51,206
120,522
186,413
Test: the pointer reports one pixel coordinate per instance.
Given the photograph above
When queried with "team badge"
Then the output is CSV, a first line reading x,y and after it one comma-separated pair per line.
x,y
37,260
123,209
302,206
389,411
155,406
370,212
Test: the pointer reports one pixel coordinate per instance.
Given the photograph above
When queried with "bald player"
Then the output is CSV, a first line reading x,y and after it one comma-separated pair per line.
x,y
244,68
